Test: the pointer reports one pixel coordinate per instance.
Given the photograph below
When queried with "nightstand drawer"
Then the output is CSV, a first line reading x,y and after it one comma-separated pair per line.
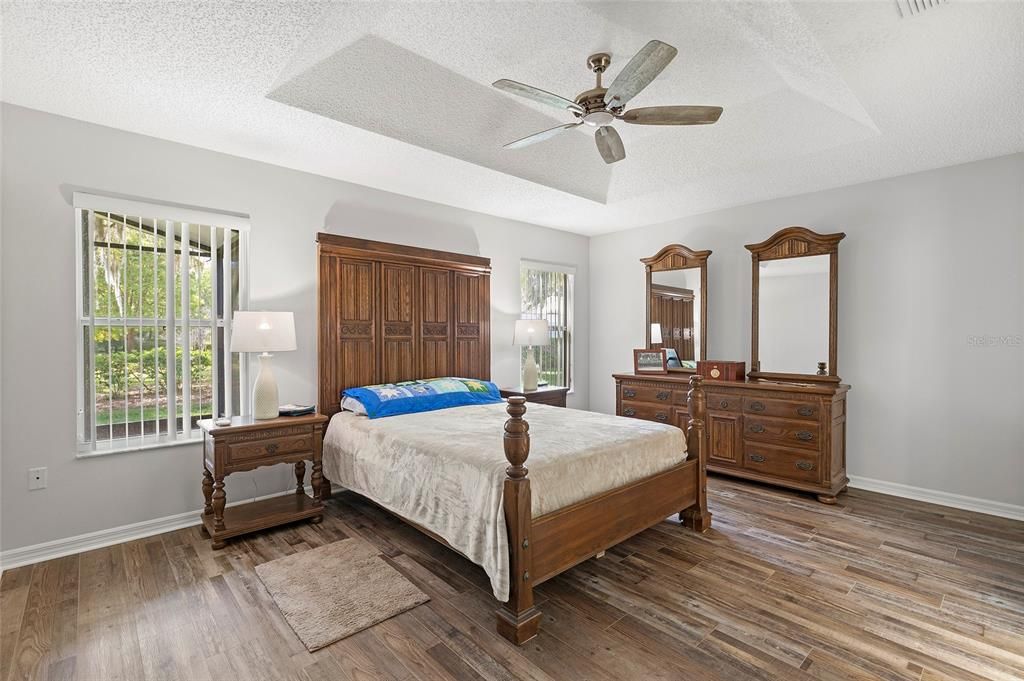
x,y
239,452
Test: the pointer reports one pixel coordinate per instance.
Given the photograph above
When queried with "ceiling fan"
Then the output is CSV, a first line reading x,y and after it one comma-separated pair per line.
x,y
601,106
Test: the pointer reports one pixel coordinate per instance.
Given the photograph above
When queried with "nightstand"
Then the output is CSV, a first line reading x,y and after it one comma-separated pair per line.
x,y
545,394
248,444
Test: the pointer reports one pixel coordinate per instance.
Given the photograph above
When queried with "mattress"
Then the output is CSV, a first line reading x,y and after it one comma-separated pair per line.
x,y
444,470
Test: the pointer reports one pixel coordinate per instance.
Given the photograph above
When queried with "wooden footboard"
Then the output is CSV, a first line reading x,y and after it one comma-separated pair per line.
x,y
551,544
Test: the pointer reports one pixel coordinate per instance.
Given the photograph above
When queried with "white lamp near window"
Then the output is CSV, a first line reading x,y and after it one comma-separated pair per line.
x,y
656,334
530,332
263,332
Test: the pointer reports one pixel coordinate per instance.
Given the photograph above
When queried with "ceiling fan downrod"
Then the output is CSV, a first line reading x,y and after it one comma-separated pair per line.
x,y
598,63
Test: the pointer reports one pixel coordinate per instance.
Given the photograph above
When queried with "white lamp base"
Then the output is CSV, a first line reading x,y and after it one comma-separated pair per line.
x,y
264,392
530,373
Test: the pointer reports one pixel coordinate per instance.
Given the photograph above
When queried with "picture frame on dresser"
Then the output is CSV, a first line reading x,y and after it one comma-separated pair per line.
x,y
647,361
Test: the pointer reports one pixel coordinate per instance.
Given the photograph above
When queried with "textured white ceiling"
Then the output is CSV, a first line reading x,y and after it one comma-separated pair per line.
x,y
397,95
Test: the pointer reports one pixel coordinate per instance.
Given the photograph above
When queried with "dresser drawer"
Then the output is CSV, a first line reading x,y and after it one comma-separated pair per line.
x,y
800,466
642,393
720,402
244,451
648,412
781,431
803,411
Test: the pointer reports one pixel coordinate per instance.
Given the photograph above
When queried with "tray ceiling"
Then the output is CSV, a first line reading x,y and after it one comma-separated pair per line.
x,y
397,95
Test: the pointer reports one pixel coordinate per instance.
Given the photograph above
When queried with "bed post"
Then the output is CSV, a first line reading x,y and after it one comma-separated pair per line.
x,y
697,517
518,619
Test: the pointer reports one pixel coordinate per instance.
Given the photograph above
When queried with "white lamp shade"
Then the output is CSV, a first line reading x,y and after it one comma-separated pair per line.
x,y
655,334
531,332
263,332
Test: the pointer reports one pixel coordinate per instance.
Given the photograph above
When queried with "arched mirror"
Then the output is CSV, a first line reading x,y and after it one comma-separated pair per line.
x,y
795,306
677,305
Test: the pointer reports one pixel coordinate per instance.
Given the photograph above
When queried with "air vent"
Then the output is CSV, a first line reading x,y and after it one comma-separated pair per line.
x,y
910,8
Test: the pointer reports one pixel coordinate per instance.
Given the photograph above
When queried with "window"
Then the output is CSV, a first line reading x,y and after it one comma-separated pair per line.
x,y
156,285
547,293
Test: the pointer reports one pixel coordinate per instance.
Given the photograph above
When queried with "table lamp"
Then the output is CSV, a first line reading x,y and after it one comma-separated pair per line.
x,y
655,334
530,332
263,332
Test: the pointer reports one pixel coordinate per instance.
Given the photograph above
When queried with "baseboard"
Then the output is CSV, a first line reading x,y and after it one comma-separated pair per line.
x,y
58,548
933,496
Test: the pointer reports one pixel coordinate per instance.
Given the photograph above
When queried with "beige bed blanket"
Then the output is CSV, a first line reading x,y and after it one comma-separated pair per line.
x,y
444,469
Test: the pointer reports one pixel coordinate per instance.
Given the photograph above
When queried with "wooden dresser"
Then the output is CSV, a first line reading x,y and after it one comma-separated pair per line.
x,y
788,434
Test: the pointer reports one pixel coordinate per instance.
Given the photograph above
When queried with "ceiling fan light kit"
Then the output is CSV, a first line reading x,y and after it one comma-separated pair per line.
x,y
599,107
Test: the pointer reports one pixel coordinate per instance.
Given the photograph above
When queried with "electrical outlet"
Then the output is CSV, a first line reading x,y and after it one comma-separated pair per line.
x,y
36,478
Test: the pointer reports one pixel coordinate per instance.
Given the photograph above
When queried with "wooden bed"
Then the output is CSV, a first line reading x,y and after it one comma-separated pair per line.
x,y
391,313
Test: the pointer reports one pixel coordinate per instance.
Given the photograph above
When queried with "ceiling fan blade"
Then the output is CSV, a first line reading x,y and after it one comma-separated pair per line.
x,y
673,115
537,95
609,144
639,72
540,136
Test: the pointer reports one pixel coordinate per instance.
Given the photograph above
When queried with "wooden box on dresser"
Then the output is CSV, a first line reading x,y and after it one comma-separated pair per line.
x,y
787,434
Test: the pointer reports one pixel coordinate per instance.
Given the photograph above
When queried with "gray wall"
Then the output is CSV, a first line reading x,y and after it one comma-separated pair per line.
x,y
47,158
930,260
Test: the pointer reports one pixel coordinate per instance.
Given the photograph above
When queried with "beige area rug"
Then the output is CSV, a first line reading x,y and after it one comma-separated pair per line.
x,y
336,590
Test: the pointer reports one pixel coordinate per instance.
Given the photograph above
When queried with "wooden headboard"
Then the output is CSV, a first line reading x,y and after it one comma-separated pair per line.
x,y
389,313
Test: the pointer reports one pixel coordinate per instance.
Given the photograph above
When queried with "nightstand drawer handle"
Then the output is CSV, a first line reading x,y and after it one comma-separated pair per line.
x,y
661,417
629,411
271,448
663,395
756,428
627,392
724,404
804,436
805,465
757,406
805,411
757,458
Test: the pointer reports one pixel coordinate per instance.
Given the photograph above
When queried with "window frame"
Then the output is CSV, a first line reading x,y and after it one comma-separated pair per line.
x,y
569,271
85,206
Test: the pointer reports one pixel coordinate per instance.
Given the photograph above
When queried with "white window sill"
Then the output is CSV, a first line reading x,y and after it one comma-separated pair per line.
x,y
127,448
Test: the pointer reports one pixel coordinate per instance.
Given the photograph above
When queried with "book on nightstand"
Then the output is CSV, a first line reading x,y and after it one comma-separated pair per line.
x,y
296,409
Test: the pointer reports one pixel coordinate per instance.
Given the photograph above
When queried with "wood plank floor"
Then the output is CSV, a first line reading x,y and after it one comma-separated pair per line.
x,y
781,588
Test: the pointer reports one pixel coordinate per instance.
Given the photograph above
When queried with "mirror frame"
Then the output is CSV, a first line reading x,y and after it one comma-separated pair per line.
x,y
797,242
678,257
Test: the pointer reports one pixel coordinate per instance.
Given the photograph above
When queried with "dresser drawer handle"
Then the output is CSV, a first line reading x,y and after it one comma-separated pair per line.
x,y
724,404
805,465
629,411
627,392
805,411
757,406
661,417
804,436
663,395
271,448
757,428
757,458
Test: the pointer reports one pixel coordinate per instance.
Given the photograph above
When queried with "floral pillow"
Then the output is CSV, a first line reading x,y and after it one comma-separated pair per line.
x,y
392,399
